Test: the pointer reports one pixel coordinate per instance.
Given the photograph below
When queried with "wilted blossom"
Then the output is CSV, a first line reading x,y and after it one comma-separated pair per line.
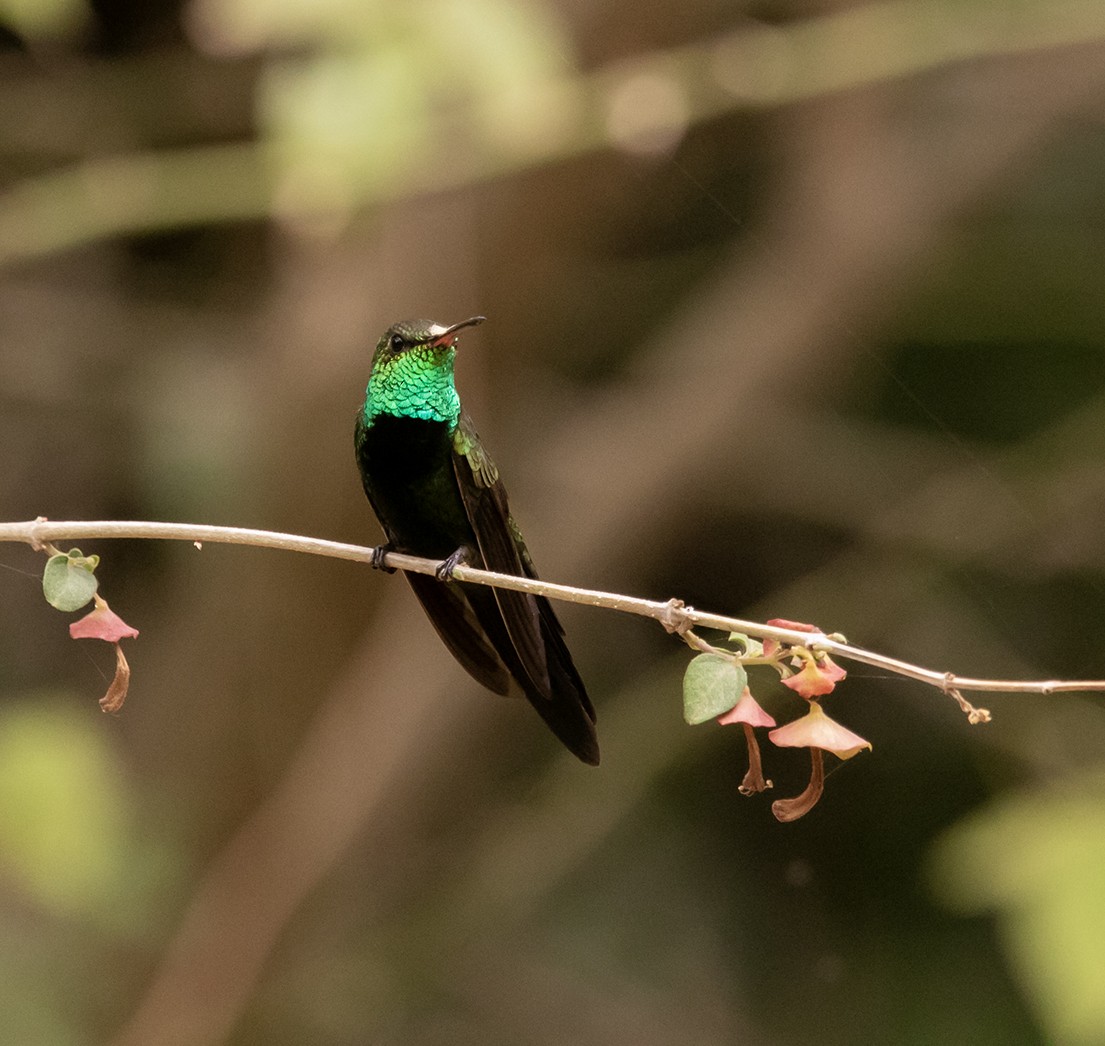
x,y
116,694
817,732
747,710
817,674
749,714
102,623
800,805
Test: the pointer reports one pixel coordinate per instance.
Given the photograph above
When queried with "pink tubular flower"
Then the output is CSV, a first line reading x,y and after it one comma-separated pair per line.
x,y
748,713
817,730
103,623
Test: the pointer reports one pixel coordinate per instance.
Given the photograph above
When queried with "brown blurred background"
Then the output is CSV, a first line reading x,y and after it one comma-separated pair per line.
x,y
795,310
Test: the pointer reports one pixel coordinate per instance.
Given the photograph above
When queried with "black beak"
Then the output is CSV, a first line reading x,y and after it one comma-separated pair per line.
x,y
448,333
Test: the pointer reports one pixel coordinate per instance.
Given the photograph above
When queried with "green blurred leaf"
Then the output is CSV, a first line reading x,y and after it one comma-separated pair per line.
x,y
37,18
68,582
62,807
712,685
402,95
250,25
1037,861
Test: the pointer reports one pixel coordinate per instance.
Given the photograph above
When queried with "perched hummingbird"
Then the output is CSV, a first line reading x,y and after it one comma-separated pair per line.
x,y
437,494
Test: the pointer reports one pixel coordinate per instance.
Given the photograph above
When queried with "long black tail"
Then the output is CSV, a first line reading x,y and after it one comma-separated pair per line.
x,y
560,698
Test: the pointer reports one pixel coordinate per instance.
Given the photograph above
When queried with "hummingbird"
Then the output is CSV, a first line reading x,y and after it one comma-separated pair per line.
x,y
437,494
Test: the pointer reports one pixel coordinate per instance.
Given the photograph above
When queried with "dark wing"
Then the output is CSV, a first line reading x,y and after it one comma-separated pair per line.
x,y
484,499
562,669
548,675
449,612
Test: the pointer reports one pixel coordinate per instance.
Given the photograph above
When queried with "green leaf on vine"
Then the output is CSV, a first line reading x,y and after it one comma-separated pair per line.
x,y
712,685
749,647
69,581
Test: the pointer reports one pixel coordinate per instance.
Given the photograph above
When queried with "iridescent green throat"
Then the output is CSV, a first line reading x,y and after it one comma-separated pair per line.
x,y
415,383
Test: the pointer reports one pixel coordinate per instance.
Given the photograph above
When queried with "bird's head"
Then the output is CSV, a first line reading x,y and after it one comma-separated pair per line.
x,y
412,371
424,337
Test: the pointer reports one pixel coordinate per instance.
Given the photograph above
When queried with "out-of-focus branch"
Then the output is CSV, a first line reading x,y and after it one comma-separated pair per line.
x,y
673,614
641,105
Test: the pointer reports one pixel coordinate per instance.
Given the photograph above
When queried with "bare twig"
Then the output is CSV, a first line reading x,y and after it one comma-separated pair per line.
x,y
673,615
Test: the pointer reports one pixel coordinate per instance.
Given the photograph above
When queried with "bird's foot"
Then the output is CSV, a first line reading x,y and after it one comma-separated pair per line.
x,y
449,564
377,560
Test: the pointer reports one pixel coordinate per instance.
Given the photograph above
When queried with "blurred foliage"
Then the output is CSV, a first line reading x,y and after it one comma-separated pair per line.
x,y
61,807
44,18
360,113
795,310
81,880
1036,860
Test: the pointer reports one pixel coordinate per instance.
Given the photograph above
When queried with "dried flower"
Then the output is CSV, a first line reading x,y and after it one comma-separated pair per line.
x,y
800,805
749,714
817,732
103,623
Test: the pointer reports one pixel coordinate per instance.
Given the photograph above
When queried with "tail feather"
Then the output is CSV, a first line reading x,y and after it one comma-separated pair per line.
x,y
459,629
563,704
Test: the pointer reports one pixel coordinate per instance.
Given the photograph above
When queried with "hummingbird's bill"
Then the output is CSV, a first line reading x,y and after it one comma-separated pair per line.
x,y
441,336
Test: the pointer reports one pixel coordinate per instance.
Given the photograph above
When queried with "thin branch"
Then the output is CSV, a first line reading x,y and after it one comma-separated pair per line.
x,y
673,614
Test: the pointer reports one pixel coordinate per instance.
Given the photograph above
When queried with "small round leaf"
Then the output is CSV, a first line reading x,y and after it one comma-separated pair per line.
x,y
68,582
712,685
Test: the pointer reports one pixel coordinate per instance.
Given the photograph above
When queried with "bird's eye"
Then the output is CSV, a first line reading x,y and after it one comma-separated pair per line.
x,y
396,342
